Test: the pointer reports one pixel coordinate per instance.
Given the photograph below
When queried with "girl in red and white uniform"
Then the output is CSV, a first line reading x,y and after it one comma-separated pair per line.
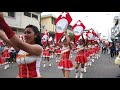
x,y
81,59
30,51
46,55
1,59
1,50
50,41
97,50
29,65
6,56
90,52
65,63
93,51
51,51
58,53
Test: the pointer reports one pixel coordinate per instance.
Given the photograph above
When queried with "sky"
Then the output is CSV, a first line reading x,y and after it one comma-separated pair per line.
x,y
102,22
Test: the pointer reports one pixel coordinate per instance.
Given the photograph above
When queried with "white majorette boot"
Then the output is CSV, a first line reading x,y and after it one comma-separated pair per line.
x,y
81,73
92,60
85,69
6,66
50,64
76,73
70,55
97,56
44,65
56,60
90,63
52,55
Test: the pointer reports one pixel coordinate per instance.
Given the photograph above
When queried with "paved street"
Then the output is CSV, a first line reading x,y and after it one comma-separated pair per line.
x,y
102,68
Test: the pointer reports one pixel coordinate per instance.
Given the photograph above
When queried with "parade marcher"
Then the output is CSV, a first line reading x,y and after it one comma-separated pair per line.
x,y
51,51
6,56
46,54
1,46
97,50
30,51
65,63
58,53
50,41
1,59
90,52
81,58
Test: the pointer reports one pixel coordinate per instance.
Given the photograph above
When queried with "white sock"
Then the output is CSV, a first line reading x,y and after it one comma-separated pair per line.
x,y
85,68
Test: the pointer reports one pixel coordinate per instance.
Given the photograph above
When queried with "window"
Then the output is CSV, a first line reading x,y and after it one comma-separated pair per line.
x,y
11,14
34,16
27,14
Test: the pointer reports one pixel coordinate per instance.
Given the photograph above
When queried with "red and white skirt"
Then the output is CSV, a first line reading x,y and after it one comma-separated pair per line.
x,y
6,55
58,52
1,60
81,59
65,64
51,49
46,54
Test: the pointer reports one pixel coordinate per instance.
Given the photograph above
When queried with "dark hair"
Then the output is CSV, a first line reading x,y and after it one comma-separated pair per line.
x,y
36,31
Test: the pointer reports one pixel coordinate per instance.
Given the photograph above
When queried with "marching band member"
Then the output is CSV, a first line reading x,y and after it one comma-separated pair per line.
x,y
65,63
46,54
80,59
58,53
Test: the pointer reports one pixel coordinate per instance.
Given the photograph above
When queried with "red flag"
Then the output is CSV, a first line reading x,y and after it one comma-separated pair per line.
x,y
61,24
78,28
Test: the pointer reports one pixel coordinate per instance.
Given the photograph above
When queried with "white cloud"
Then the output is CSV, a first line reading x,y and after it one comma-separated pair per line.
x,y
99,21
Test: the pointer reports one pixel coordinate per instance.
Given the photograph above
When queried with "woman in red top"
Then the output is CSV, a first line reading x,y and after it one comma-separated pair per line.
x,y
30,51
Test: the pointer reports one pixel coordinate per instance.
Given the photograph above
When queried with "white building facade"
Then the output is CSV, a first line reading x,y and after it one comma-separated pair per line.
x,y
19,20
